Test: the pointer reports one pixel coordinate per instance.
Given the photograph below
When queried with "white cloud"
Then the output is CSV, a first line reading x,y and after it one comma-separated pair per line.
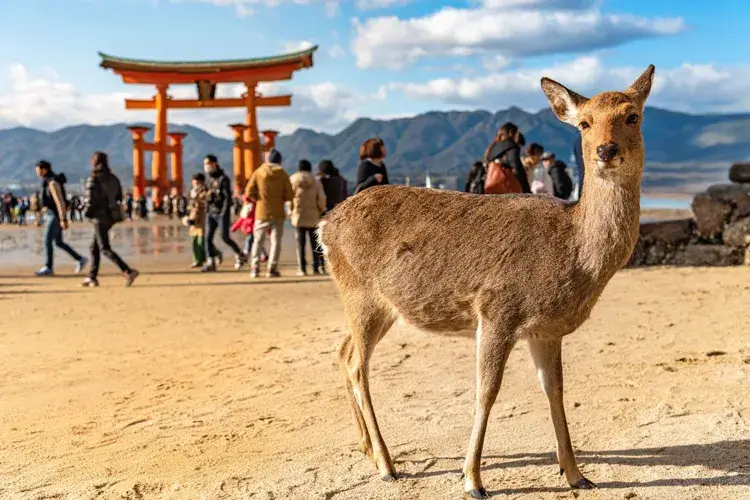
x,y
332,8
297,46
689,88
336,51
520,30
379,4
49,103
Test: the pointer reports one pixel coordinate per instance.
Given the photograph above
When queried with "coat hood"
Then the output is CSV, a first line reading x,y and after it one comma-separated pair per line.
x,y
304,180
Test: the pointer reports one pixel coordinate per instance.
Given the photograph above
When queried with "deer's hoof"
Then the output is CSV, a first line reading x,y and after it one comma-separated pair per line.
x,y
479,494
389,478
584,484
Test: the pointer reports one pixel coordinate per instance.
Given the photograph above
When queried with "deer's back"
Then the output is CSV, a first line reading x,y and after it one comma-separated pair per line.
x,y
441,258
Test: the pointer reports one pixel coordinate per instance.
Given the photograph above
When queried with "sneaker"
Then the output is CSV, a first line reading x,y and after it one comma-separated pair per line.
x,y
81,265
130,277
255,273
301,273
239,261
218,259
273,273
90,282
45,271
195,265
208,268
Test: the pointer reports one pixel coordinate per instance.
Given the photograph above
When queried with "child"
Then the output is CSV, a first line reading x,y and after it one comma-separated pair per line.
x,y
246,223
196,220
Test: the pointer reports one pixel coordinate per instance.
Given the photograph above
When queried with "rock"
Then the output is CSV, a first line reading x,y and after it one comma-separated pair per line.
x,y
737,195
670,233
711,213
707,255
747,251
655,255
740,172
737,233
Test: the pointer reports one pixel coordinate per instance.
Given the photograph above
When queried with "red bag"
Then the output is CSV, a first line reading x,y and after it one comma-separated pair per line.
x,y
501,179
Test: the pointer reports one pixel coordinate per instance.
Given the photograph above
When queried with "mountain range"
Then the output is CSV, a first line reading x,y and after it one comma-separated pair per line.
x,y
684,151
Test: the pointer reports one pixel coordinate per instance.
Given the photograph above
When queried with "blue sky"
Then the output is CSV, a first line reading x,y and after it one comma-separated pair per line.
x,y
377,58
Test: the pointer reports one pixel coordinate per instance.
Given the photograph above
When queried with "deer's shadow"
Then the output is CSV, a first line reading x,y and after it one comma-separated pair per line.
x,y
732,458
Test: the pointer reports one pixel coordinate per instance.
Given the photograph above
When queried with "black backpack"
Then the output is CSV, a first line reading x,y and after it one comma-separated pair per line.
x,y
476,185
566,184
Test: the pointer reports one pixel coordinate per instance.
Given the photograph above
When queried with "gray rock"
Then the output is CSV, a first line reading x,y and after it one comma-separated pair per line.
x,y
708,255
736,233
738,195
670,233
711,213
740,172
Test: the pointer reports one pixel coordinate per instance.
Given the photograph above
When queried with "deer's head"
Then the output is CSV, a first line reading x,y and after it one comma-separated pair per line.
x,y
610,124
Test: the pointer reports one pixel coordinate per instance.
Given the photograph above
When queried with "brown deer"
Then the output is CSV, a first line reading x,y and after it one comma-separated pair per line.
x,y
510,266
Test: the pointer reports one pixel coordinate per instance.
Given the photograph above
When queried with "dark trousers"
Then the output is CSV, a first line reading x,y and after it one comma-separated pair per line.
x,y
53,237
303,234
214,222
101,245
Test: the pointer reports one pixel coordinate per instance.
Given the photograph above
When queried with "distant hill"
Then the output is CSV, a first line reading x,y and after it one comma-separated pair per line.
x,y
684,151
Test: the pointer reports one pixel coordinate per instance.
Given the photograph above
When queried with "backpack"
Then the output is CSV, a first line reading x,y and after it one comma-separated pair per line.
x,y
116,210
476,185
566,187
501,179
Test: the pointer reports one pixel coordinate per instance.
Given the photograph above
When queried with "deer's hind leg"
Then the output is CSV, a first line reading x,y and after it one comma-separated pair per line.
x,y
369,320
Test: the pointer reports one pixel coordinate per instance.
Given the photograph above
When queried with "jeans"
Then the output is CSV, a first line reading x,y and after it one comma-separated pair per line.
x,y
248,247
259,242
101,243
214,222
53,235
303,234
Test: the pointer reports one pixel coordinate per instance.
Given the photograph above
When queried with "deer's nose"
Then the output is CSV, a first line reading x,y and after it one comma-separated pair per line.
x,y
607,151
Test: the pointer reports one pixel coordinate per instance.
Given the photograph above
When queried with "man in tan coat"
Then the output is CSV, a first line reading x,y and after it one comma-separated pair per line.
x,y
270,189
308,203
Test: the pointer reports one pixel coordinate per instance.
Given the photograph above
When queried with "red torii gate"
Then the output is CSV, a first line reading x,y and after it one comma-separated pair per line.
x,y
205,75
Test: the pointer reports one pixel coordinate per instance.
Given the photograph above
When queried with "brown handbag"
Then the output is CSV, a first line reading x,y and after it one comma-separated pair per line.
x,y
501,179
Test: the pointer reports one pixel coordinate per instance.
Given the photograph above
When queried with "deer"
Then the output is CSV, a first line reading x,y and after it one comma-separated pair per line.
x,y
508,267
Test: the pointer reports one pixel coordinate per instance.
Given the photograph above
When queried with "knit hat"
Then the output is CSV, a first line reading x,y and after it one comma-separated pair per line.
x,y
274,156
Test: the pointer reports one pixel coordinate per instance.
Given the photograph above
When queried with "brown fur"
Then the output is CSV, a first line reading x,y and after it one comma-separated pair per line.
x,y
511,267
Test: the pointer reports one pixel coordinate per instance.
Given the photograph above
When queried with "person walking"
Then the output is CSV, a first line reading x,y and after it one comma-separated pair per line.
x,y
270,189
505,152
103,206
371,171
196,220
55,219
308,203
219,203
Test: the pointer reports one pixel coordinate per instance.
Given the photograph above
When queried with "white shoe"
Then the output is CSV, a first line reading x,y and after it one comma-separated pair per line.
x,y
81,265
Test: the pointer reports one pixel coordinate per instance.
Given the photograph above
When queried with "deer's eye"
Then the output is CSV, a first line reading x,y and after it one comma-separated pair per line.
x,y
632,119
584,125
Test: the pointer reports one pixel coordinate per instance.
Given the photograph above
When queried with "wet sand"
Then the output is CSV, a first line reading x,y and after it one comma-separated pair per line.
x,y
191,386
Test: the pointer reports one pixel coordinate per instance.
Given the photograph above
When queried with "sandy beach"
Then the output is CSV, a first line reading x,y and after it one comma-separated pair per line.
x,y
191,386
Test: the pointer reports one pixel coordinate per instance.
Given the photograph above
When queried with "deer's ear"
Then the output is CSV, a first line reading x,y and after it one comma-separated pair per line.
x,y
564,102
641,88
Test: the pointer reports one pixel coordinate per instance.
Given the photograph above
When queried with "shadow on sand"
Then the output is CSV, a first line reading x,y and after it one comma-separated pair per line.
x,y
726,456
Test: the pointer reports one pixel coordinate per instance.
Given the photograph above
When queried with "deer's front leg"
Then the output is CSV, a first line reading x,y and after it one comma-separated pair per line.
x,y
547,356
493,348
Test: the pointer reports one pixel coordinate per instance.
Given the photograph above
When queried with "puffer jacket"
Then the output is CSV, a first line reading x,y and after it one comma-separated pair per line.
x,y
197,206
309,200
103,195
270,189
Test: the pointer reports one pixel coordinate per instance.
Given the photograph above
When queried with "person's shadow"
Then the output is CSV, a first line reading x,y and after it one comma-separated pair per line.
x,y
730,457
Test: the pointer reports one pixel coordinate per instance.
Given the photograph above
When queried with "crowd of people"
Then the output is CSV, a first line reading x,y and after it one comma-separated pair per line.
x,y
259,213
511,166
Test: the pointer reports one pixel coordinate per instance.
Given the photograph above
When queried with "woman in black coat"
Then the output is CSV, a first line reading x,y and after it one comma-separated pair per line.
x,y
371,171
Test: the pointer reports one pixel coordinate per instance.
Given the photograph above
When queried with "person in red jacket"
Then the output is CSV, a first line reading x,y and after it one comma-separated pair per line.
x,y
246,224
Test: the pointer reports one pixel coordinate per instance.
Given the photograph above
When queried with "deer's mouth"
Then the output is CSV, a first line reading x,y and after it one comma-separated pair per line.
x,y
615,162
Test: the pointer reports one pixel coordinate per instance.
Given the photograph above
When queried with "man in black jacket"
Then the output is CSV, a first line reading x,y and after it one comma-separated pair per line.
x,y
219,202
103,206
561,182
